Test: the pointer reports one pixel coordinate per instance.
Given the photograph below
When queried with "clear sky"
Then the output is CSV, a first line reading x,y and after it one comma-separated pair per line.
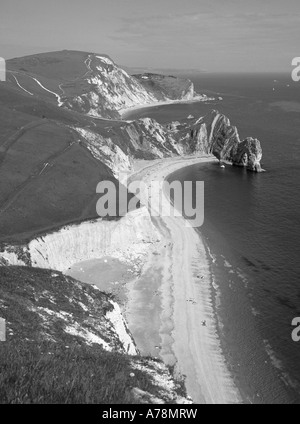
x,y
212,35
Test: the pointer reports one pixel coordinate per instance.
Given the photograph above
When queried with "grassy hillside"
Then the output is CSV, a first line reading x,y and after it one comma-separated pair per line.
x,y
51,157
54,151
49,373
39,305
84,82
47,175
62,347
61,65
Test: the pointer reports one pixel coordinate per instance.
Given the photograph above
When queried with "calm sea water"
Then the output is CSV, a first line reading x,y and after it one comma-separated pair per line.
x,y
252,231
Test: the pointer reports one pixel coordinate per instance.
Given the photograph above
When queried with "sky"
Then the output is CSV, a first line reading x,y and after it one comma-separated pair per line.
x,y
210,35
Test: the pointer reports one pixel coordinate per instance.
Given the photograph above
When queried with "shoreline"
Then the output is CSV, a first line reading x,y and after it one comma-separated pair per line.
x,y
167,318
170,293
125,111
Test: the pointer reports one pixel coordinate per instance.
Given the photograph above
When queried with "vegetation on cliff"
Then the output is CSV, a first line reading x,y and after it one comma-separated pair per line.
x,y
62,346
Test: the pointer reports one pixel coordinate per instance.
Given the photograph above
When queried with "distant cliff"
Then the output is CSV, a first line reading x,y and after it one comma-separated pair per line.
x,y
93,84
165,87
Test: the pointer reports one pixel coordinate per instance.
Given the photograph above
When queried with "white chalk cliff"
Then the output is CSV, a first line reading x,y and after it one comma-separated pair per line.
x,y
106,88
127,239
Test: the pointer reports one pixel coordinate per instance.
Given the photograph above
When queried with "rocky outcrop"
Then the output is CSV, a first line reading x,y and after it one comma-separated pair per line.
x,y
249,154
214,134
63,310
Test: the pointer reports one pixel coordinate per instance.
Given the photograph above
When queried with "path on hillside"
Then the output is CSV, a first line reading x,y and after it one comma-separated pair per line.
x,y
36,173
24,89
7,144
58,97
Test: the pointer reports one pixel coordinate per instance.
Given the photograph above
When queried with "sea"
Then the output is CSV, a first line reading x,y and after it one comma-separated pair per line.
x,y
252,230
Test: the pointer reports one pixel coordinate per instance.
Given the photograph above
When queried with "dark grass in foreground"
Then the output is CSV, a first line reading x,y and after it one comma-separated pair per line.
x,y
46,373
45,361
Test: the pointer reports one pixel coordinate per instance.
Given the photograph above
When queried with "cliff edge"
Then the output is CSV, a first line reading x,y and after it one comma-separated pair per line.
x,y
92,84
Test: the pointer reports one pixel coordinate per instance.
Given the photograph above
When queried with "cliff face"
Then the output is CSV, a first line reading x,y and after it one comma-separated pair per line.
x,y
213,134
54,326
104,89
248,154
63,310
167,87
67,313
128,239
92,84
147,139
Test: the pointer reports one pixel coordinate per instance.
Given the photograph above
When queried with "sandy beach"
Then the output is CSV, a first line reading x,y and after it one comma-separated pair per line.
x,y
168,303
125,111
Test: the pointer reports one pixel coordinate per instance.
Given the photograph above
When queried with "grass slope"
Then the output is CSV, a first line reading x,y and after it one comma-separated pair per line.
x,y
48,176
42,361
35,197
